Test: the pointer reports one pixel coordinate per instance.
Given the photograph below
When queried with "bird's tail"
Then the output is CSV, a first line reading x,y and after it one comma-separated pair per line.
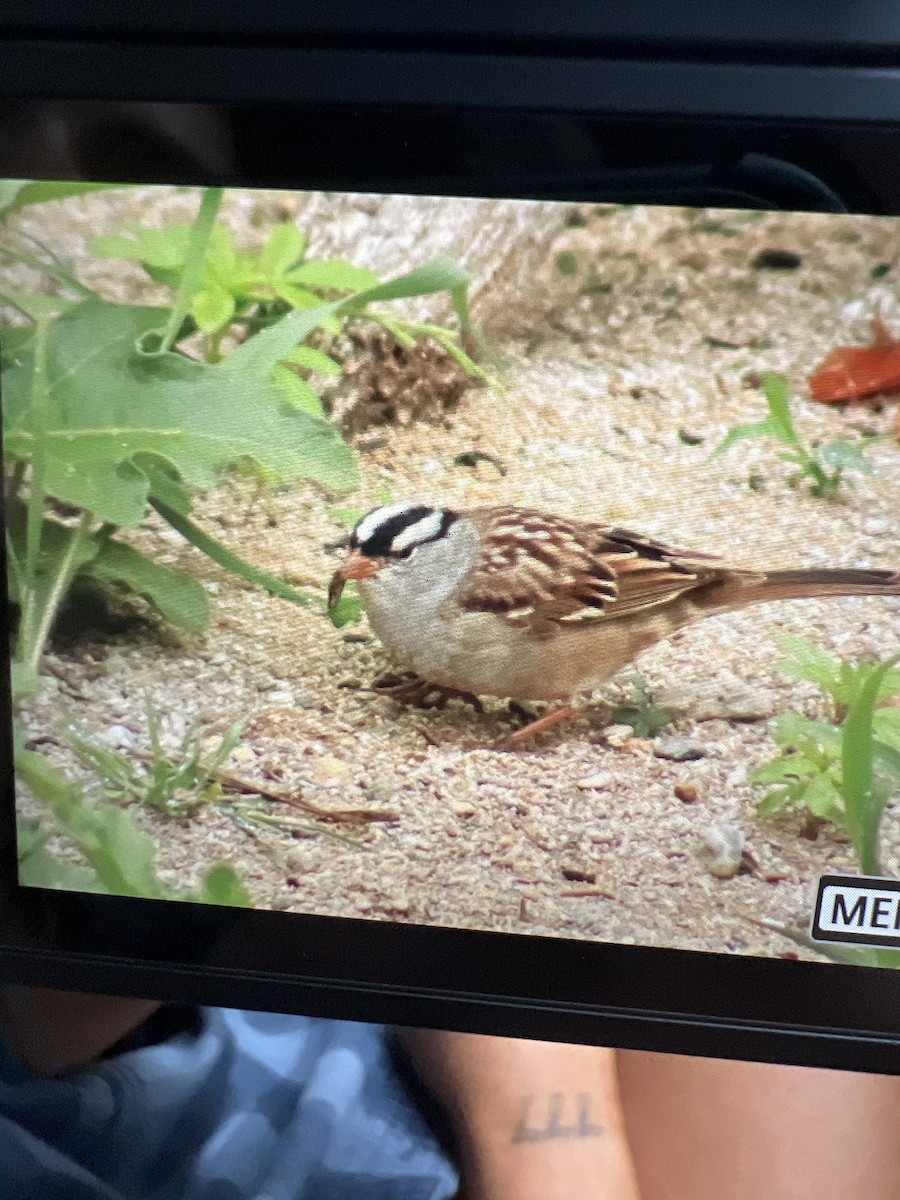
x,y
795,585
736,589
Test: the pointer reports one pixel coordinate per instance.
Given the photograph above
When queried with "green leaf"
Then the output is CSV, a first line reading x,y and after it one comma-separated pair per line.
x,y
42,870
227,559
773,801
297,297
785,769
809,661
297,391
845,456
221,258
30,837
864,800
337,274
283,249
887,757
107,407
347,610
313,360
824,800
223,885
165,248
120,853
794,729
25,682
886,723
775,390
212,308
16,194
179,599
12,339
35,305
443,275
741,433
164,483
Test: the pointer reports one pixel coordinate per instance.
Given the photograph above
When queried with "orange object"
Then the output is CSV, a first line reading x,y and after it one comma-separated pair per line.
x,y
858,372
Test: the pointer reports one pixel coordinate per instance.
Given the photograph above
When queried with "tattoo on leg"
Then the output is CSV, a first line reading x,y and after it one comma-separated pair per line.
x,y
554,1126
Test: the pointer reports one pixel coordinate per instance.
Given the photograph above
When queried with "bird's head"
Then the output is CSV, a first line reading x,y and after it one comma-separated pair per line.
x,y
386,535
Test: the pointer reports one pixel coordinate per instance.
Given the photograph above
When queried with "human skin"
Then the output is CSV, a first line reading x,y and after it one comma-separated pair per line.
x,y
537,1120
704,1129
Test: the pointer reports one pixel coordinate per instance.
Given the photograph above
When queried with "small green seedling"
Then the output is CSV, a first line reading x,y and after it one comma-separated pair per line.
x,y
822,467
178,783
642,714
843,770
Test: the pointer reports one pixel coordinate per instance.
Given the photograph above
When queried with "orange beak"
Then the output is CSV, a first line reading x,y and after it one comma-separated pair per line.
x,y
357,567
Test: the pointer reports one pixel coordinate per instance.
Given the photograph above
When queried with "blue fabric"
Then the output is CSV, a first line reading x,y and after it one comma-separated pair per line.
x,y
255,1107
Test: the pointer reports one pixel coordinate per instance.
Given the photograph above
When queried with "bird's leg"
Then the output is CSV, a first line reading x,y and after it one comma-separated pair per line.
x,y
521,737
414,690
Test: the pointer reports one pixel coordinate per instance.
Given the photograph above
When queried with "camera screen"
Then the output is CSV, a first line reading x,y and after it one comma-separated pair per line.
x,y
506,565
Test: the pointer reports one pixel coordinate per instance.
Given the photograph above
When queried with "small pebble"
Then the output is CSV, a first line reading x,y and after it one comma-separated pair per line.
x,y
774,259
329,770
687,793
598,782
877,527
690,437
723,850
617,735
579,873
463,810
118,735
679,749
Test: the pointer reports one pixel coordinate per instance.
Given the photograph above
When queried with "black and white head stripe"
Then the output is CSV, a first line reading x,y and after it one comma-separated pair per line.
x,y
395,530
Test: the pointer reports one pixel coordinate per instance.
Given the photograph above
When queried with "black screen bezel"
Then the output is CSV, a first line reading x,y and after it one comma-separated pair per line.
x,y
819,1014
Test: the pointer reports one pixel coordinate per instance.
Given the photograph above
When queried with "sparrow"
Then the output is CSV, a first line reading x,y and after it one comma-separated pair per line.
x,y
522,604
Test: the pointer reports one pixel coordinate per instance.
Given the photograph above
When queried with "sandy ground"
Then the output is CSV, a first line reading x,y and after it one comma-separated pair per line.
x,y
618,388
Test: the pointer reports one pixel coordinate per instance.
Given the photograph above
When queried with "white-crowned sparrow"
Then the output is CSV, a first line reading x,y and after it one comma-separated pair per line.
x,y
512,602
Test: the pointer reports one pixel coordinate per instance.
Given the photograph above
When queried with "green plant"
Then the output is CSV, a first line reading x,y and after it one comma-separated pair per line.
x,y
822,467
181,782
843,769
105,419
177,784
16,194
231,290
120,857
641,713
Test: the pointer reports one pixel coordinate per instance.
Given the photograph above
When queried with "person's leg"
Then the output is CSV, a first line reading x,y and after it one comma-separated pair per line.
x,y
705,1129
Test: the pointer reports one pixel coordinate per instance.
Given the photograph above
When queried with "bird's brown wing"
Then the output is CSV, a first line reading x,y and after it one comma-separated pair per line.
x,y
544,571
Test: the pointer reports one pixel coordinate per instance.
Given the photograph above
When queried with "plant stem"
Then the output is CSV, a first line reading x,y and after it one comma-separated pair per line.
x,y
864,806
36,492
15,568
68,565
227,559
194,266
15,479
